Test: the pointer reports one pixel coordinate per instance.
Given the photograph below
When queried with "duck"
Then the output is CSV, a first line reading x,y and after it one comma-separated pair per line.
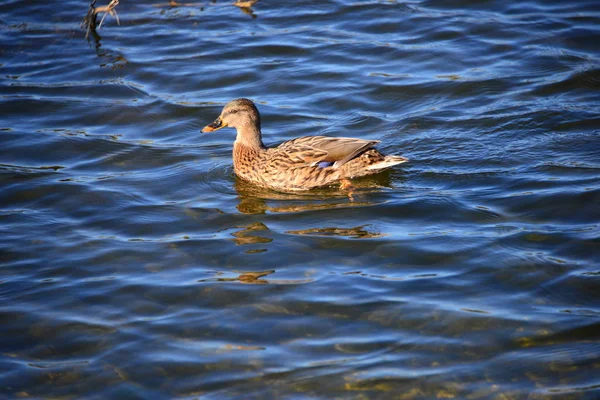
x,y
299,164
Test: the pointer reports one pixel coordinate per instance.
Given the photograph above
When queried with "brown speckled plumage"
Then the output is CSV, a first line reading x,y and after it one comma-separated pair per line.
x,y
298,164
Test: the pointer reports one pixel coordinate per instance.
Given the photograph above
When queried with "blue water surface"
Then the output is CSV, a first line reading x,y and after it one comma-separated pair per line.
x,y
134,264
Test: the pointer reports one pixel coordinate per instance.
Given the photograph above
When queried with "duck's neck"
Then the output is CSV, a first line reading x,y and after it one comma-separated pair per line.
x,y
251,137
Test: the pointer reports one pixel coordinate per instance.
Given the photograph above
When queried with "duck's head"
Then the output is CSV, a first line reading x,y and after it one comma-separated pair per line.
x,y
241,114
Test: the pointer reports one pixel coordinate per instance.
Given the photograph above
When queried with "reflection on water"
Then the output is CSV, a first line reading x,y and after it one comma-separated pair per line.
x,y
254,278
248,235
245,6
256,200
358,232
135,265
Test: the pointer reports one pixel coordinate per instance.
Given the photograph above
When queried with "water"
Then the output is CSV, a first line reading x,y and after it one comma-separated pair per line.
x,y
135,265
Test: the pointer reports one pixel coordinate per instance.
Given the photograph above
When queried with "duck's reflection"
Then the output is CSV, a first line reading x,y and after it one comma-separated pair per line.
x,y
358,232
248,235
244,5
257,200
254,278
249,277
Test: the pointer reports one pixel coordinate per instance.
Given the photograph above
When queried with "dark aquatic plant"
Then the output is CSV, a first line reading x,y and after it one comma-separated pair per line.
x,y
89,22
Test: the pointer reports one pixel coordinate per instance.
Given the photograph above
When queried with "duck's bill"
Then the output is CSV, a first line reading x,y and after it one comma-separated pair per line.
x,y
215,126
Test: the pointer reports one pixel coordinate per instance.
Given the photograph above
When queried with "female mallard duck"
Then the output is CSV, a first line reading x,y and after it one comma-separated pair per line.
x,y
298,164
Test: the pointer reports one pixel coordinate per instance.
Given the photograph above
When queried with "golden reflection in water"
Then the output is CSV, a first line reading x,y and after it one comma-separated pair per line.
x,y
358,232
244,5
254,278
248,235
257,200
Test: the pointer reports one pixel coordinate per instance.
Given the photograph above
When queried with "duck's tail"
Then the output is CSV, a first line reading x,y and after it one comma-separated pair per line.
x,y
387,162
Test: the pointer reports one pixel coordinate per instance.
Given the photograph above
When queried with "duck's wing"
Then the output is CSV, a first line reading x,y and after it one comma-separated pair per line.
x,y
314,149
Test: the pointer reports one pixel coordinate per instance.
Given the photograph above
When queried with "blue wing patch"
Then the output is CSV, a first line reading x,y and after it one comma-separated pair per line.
x,y
325,164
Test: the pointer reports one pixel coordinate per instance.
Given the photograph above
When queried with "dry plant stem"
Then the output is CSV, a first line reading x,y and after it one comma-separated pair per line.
x,y
109,9
90,19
